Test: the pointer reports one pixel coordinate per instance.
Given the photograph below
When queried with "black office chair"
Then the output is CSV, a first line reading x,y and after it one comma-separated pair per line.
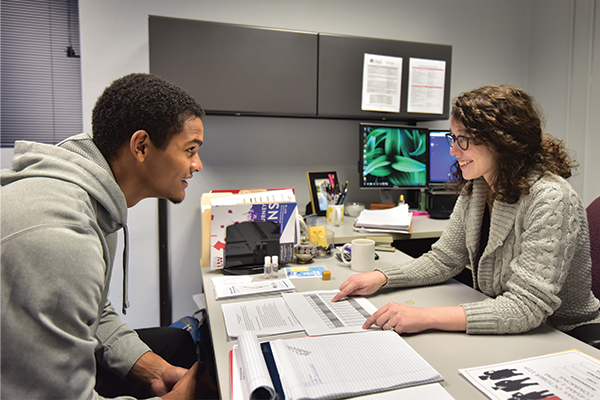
x,y
590,334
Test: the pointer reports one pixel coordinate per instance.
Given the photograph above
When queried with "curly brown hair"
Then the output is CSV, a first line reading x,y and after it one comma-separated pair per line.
x,y
509,122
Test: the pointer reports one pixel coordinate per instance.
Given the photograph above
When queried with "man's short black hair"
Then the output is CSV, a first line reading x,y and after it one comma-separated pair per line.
x,y
140,102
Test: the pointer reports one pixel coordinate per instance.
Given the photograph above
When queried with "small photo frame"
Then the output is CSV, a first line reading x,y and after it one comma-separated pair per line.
x,y
318,200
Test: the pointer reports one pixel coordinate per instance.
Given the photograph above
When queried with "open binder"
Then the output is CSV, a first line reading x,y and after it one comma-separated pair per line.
x,y
325,367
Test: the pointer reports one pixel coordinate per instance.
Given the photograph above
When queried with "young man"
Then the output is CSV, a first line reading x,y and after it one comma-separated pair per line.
x,y
62,207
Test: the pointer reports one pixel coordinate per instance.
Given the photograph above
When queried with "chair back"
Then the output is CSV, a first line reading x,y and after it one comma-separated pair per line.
x,y
593,216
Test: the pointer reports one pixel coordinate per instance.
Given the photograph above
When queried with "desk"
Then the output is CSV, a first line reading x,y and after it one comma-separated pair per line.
x,y
445,351
423,227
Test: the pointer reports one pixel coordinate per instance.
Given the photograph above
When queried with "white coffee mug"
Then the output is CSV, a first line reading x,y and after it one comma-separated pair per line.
x,y
362,253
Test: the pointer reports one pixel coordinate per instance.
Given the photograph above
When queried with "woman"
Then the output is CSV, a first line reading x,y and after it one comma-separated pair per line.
x,y
517,223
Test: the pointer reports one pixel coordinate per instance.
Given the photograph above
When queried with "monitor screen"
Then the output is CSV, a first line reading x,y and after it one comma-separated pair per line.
x,y
440,160
393,156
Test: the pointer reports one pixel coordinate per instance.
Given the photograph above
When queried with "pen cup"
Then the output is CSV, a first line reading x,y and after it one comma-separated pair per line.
x,y
335,214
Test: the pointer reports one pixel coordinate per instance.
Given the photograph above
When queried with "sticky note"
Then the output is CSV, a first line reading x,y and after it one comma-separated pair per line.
x,y
326,275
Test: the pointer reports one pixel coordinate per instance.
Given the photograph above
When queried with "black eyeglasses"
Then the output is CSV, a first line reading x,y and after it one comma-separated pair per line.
x,y
462,141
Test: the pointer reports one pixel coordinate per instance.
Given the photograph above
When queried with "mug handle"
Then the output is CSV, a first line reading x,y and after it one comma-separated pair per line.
x,y
342,253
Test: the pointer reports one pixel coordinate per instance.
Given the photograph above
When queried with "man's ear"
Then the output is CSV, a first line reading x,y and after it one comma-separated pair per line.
x,y
138,145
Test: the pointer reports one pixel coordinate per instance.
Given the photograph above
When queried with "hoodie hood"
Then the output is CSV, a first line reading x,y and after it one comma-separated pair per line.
x,y
76,160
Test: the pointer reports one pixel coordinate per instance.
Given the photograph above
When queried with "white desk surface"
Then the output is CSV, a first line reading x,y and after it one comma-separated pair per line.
x,y
423,227
445,351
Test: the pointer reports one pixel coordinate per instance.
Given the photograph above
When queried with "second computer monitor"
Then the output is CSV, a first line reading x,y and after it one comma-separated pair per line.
x,y
440,160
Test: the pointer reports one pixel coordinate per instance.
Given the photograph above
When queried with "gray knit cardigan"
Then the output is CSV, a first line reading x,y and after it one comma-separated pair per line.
x,y
535,267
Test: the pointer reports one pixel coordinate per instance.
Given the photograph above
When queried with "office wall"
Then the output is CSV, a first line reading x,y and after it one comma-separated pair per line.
x,y
507,41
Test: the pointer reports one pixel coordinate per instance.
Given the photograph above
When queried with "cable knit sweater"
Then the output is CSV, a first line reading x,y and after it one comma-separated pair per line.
x,y
535,267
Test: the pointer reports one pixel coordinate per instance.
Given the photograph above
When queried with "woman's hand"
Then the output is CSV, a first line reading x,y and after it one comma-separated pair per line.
x,y
361,284
408,319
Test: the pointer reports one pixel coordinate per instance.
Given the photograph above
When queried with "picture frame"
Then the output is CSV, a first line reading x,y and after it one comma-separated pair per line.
x,y
318,200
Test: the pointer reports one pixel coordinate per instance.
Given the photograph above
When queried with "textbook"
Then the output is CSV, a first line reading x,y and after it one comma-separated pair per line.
x,y
325,367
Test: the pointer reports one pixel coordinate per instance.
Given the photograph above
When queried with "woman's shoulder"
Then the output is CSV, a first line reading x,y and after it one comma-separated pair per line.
x,y
550,187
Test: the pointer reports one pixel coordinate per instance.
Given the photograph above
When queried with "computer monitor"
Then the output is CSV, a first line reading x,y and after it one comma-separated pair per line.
x,y
440,161
393,156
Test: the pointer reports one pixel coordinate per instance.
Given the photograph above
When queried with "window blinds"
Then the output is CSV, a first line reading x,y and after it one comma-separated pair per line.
x,y
40,85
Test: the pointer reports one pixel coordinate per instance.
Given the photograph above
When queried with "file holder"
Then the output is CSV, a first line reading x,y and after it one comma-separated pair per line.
x,y
247,244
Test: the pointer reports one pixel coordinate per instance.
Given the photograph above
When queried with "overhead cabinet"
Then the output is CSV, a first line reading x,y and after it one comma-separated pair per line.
x,y
245,70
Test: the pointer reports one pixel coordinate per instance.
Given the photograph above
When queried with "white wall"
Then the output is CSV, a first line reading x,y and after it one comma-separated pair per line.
x,y
493,42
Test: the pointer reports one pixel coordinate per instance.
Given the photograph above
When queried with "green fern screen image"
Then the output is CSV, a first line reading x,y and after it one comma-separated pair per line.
x,y
394,156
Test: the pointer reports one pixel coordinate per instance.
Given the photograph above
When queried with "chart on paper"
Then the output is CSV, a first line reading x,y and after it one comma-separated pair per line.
x,y
318,315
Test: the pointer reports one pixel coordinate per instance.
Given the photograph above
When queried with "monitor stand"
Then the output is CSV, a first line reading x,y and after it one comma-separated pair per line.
x,y
386,195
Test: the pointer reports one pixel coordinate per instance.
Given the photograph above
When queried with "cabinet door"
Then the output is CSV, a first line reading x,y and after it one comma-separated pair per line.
x,y
341,60
236,69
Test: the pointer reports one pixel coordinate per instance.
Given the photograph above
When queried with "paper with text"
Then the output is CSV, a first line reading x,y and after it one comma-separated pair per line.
x,y
318,315
264,317
253,288
338,366
426,86
382,80
569,375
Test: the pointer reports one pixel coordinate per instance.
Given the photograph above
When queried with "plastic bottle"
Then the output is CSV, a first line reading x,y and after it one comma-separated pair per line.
x,y
275,267
268,271
423,201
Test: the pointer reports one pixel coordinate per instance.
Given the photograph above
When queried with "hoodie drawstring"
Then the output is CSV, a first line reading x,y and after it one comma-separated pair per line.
x,y
125,269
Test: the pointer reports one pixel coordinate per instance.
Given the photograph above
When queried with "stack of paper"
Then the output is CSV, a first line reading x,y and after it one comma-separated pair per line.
x,y
397,219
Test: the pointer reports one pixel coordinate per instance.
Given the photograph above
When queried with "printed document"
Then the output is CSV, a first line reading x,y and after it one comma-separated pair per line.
x,y
264,317
327,367
426,86
318,315
382,79
566,375
253,288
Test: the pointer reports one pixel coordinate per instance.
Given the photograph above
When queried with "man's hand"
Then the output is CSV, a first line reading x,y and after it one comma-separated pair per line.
x,y
361,284
186,386
164,379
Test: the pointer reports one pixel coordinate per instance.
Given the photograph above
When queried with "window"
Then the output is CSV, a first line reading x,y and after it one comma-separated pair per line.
x,y
41,71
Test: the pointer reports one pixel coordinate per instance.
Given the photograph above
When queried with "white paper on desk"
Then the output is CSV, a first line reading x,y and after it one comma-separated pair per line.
x,y
230,280
264,317
340,366
566,375
253,289
318,315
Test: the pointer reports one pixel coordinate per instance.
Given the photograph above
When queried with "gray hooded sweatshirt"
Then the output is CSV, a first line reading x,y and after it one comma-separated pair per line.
x,y
61,210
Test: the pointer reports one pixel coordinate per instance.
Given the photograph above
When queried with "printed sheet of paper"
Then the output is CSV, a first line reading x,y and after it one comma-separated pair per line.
x,y
567,376
264,317
382,80
258,288
426,82
318,315
340,366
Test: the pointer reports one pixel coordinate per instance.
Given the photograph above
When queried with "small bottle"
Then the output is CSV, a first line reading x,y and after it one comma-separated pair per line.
x,y
268,269
401,200
423,201
275,267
